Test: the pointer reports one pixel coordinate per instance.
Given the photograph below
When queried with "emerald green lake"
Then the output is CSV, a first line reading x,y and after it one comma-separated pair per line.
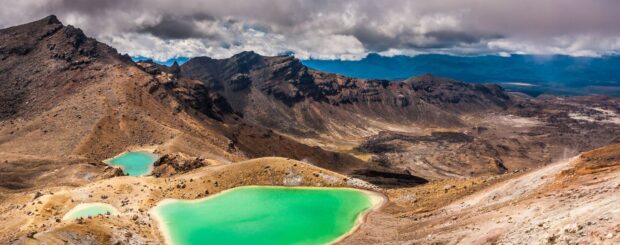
x,y
264,215
136,163
85,210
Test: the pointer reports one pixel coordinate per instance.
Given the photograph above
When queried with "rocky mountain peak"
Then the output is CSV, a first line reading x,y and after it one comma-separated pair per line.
x,y
247,55
49,55
50,37
445,91
51,19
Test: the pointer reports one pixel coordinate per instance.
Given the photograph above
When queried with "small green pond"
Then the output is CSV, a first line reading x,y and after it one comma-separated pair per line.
x,y
264,215
85,210
134,163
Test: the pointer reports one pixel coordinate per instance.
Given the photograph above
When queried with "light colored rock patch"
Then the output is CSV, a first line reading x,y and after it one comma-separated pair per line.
x,y
581,117
608,116
329,178
408,198
293,178
612,116
515,121
358,183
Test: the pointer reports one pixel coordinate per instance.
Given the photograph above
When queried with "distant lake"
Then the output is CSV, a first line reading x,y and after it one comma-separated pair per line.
x,y
136,163
86,210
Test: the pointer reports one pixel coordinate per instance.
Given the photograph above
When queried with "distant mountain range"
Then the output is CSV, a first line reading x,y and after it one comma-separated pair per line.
x,y
531,74
168,62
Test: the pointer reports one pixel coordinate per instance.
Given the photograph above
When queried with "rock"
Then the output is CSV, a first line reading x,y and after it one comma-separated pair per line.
x,y
571,228
551,239
293,178
37,195
358,183
411,198
174,163
111,172
446,188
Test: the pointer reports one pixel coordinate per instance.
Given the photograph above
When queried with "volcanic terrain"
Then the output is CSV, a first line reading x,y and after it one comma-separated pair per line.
x,y
459,163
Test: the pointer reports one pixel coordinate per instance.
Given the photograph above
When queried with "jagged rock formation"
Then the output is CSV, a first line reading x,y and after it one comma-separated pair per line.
x,y
190,93
281,93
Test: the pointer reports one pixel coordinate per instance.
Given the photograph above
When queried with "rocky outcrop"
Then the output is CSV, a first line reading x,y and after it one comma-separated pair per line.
x,y
171,164
192,94
44,61
455,95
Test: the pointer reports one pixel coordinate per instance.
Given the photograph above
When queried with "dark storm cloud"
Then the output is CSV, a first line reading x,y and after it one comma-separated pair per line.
x,y
378,42
373,39
171,27
448,37
336,29
451,38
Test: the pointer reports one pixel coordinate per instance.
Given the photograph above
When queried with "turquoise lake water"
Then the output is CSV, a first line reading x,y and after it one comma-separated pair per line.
x,y
137,163
89,210
264,215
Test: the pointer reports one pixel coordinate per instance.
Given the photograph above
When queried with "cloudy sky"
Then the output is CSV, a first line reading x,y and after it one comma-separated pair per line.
x,y
336,29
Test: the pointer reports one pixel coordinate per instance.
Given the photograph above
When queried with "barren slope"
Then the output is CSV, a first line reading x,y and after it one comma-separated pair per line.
x,y
574,201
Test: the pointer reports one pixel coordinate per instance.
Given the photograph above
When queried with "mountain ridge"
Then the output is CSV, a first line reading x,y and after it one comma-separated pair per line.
x,y
287,80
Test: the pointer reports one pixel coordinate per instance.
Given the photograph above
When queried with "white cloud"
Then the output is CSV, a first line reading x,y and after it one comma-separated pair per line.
x,y
582,45
327,29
